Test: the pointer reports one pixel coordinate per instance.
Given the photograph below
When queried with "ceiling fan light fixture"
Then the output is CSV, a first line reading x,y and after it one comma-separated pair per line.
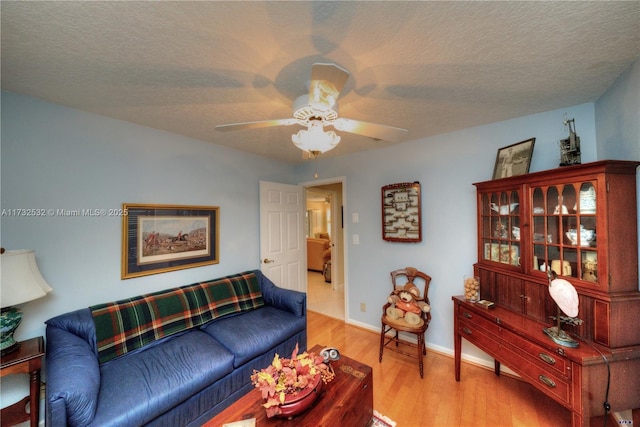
x,y
323,95
319,108
315,139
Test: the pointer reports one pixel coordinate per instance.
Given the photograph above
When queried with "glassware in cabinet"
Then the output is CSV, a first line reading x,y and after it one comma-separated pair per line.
x,y
501,227
564,230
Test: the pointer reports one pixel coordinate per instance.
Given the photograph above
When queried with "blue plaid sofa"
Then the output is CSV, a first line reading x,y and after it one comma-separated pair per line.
x,y
171,358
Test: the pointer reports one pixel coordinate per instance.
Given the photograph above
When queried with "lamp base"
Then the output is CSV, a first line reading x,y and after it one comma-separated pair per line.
x,y
560,337
10,318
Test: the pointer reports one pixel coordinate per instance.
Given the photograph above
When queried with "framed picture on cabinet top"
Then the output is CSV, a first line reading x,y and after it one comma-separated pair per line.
x,y
401,213
514,159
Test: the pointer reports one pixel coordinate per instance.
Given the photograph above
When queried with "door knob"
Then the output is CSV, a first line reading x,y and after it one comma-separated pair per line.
x,y
267,261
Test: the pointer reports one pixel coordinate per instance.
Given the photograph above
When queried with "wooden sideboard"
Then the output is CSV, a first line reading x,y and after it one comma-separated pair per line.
x,y
581,222
574,377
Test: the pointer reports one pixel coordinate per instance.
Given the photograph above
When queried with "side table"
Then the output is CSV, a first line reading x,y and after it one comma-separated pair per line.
x,y
27,359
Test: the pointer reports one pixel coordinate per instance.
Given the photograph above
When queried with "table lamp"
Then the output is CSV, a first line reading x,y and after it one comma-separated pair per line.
x,y
566,298
21,282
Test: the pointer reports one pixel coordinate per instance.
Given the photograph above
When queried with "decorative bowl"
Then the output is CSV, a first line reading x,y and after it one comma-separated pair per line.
x,y
586,236
290,385
295,404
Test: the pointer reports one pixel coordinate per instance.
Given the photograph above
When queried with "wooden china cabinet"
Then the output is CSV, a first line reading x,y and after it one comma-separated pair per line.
x,y
580,222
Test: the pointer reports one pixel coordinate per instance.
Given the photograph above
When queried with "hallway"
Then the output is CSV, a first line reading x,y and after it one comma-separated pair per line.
x,y
321,299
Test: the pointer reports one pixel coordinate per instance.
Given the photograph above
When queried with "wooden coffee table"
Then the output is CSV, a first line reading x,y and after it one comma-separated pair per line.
x,y
345,401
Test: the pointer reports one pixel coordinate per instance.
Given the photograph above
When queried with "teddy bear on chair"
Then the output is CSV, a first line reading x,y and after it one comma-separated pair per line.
x,y
406,304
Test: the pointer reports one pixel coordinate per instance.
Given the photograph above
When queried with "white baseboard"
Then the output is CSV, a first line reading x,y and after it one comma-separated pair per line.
x,y
474,360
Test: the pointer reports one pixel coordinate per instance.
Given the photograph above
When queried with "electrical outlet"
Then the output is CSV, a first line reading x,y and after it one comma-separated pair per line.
x,y
363,307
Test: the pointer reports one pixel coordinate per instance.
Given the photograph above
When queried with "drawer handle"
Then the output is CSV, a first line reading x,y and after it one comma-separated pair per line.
x,y
550,360
466,331
498,321
548,381
467,315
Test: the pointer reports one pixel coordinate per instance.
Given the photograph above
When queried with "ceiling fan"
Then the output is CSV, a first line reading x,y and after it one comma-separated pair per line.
x,y
319,108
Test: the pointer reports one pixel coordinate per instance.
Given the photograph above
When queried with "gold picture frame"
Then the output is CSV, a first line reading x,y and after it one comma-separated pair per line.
x,y
161,238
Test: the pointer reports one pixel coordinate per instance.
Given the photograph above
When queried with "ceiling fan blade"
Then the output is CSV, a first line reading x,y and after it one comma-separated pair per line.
x,y
372,130
256,125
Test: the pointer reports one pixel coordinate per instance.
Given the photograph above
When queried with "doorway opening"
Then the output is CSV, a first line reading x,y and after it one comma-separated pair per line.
x,y
324,231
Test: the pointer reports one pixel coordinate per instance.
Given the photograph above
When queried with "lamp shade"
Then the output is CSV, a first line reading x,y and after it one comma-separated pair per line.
x,y
565,295
315,139
21,280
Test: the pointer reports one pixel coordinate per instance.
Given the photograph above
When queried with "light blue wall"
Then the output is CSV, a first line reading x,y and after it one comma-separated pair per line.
x,y
446,166
618,121
618,117
58,158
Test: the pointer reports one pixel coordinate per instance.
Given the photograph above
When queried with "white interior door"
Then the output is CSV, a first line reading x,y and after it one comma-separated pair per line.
x,y
282,242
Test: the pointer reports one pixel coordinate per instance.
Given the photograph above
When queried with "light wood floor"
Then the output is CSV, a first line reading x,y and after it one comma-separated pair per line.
x,y
321,298
479,399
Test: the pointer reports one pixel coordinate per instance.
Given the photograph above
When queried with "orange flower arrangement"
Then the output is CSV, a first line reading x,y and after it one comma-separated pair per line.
x,y
287,377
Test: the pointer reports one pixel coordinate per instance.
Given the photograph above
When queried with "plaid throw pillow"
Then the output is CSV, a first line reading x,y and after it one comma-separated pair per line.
x,y
128,324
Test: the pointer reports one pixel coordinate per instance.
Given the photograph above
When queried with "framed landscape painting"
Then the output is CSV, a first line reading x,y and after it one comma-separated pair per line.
x,y
161,238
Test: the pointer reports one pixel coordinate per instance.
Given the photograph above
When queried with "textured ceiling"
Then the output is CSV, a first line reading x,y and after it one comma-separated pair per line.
x,y
429,67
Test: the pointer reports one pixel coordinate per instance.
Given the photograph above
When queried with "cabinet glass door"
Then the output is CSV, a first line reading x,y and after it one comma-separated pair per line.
x,y
500,224
564,230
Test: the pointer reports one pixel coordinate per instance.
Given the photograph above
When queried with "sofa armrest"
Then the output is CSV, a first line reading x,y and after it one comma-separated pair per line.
x,y
73,379
285,299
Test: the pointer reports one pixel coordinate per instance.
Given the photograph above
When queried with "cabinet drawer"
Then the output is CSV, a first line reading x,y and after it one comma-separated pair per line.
x,y
469,317
542,357
480,338
539,355
546,380
505,347
526,365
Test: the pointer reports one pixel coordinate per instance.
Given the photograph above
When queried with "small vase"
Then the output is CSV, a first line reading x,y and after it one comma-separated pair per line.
x,y
298,403
588,200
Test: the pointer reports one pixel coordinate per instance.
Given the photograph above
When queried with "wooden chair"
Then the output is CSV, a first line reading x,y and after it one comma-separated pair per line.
x,y
390,323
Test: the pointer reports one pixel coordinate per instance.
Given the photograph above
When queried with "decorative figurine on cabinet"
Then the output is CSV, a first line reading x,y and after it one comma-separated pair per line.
x,y
570,147
590,273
